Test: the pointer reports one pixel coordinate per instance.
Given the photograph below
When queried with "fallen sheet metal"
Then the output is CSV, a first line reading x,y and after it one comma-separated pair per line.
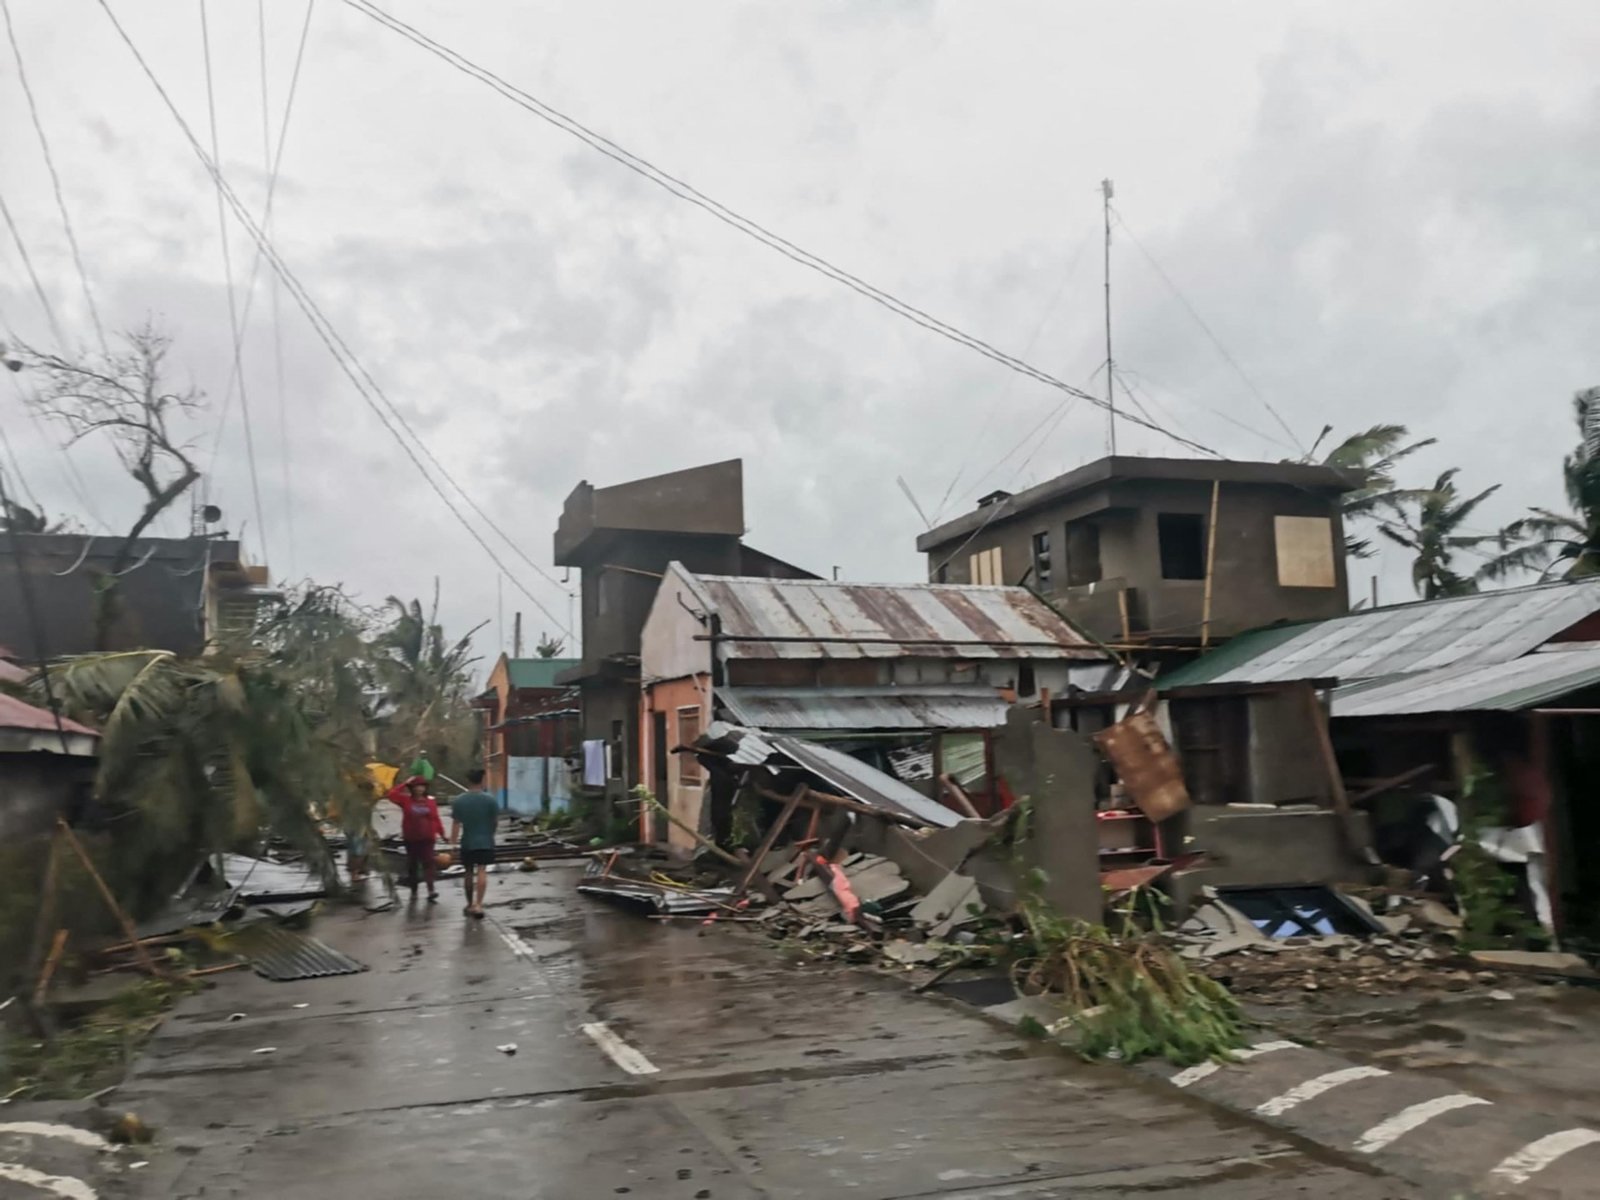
x,y
644,896
259,880
282,954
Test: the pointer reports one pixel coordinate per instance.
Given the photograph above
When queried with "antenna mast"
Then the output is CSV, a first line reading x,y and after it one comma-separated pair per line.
x,y
1106,192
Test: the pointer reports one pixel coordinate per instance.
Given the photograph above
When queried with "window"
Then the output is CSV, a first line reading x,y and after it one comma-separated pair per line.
x,y
1183,545
986,569
1041,560
1082,546
689,772
1305,552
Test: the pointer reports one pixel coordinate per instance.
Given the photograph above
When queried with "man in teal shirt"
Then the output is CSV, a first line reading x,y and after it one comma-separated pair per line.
x,y
473,817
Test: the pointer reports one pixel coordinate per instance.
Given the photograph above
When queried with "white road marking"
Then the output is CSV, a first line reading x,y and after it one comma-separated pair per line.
x,y
519,947
1192,1075
1407,1119
624,1055
64,1186
1314,1087
1537,1155
67,1133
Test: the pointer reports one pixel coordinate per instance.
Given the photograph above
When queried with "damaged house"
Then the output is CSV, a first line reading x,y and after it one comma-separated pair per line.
x,y
906,681
1493,698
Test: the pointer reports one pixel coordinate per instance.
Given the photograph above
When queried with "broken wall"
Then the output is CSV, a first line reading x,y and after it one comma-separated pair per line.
x,y
1055,769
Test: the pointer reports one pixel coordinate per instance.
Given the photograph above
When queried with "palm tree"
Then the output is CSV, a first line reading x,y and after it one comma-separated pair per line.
x,y
200,756
1573,538
426,680
1370,456
1431,522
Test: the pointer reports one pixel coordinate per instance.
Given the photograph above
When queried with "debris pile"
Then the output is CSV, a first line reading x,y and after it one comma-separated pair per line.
x,y
1397,944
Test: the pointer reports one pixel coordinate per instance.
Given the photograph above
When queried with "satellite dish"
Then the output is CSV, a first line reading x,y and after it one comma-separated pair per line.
x,y
211,514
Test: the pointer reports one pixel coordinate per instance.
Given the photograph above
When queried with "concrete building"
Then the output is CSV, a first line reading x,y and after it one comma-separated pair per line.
x,y
530,733
621,538
1160,550
177,594
911,678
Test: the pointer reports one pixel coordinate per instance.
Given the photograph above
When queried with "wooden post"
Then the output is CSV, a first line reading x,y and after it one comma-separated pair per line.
x,y
789,805
123,919
1211,563
1341,801
47,903
50,965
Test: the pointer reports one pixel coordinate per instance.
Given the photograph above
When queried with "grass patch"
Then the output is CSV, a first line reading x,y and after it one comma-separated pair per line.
x,y
94,1053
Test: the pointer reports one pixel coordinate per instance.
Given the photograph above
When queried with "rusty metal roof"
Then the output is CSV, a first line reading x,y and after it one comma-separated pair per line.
x,y
19,714
919,706
817,618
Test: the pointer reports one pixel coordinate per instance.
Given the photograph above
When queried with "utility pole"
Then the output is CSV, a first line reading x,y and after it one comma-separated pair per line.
x,y
516,635
1106,191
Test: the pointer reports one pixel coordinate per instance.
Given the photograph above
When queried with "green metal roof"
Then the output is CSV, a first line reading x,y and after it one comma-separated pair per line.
x,y
1230,656
537,672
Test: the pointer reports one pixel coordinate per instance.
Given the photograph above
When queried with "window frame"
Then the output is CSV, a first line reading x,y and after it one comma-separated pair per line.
x,y
690,773
1196,527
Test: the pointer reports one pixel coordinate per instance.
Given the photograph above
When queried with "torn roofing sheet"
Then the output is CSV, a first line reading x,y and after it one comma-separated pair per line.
x,y
850,776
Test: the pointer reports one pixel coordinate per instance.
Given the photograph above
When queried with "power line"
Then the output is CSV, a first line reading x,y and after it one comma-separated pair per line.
x,y
745,225
1130,376
255,265
286,447
365,386
33,276
55,178
1215,340
74,479
233,306
1005,388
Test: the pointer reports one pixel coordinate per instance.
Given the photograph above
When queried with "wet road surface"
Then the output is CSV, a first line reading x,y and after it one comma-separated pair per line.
x,y
653,1062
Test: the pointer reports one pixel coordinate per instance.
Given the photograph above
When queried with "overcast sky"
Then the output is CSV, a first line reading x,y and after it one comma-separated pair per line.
x,y
1383,212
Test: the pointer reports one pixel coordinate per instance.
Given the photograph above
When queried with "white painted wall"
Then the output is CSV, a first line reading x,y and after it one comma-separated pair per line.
x,y
667,648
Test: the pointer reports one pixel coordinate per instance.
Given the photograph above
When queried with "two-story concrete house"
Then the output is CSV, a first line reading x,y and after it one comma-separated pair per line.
x,y
1161,550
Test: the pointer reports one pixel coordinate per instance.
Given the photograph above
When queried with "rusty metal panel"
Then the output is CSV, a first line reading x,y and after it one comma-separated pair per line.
x,y
814,619
1146,765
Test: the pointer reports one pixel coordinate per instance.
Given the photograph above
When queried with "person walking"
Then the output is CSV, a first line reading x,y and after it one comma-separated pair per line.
x,y
420,829
473,817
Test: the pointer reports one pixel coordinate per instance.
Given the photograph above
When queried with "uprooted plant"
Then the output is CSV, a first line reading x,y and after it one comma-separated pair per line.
x,y
1126,994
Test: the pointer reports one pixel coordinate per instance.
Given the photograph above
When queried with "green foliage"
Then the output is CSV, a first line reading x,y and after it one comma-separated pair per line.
x,y
92,1055
1127,994
425,679
1432,525
1485,891
1371,457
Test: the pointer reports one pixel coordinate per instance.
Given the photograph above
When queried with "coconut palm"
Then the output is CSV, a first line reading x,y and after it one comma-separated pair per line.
x,y
200,756
1370,457
1432,525
1572,539
426,680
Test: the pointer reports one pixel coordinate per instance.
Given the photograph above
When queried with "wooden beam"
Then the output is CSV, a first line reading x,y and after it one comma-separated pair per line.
x,y
117,910
1211,564
778,826
1330,763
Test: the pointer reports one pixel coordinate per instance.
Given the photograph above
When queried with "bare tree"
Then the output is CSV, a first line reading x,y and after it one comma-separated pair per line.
x,y
120,393
549,647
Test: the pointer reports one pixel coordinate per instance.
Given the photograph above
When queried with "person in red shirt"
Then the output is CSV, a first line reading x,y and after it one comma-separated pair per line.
x,y
420,828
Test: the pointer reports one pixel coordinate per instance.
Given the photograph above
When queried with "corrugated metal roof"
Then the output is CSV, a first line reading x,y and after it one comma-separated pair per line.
x,y
1534,679
885,620
849,775
281,954
537,672
19,714
911,707
1490,627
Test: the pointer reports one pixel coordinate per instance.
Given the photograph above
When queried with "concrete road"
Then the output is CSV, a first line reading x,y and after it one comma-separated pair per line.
x,y
653,1062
